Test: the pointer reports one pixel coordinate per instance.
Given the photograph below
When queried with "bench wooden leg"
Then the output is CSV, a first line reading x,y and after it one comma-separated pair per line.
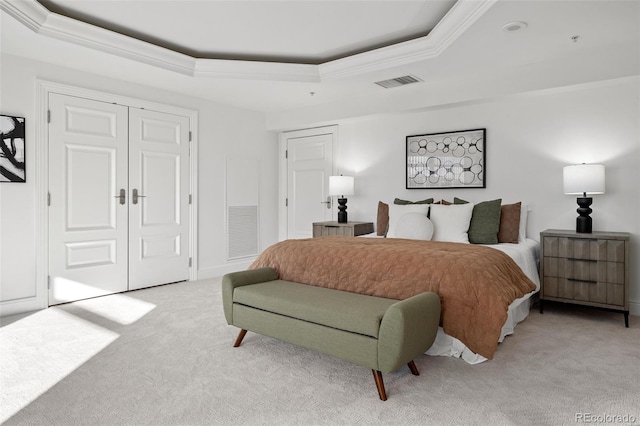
x,y
241,335
413,368
377,376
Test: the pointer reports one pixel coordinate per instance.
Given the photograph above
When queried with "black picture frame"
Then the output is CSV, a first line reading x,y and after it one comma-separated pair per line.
x,y
448,160
12,149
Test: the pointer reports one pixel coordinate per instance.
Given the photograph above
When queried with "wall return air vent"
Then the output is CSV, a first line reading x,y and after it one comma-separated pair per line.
x,y
398,81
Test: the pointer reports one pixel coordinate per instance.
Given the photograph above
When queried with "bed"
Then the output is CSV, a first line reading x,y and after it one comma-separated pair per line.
x,y
526,255
485,289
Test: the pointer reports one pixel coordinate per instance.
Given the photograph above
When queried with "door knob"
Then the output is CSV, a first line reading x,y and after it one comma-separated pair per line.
x,y
135,196
328,202
122,196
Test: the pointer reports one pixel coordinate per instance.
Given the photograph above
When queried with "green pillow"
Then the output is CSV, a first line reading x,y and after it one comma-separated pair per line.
x,y
485,221
405,202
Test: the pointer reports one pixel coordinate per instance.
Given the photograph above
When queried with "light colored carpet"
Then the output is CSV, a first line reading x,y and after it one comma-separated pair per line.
x,y
164,356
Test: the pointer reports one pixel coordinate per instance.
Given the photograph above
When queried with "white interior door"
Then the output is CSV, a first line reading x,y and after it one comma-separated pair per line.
x,y
159,195
309,165
88,239
119,184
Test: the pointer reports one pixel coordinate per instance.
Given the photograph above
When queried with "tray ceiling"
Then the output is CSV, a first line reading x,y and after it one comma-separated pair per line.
x,y
305,32
295,41
465,56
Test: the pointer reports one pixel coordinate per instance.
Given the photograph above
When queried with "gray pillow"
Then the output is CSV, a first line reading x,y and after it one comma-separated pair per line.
x,y
405,202
485,221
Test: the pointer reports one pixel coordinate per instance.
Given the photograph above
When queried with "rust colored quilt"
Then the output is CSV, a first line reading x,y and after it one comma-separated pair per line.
x,y
476,284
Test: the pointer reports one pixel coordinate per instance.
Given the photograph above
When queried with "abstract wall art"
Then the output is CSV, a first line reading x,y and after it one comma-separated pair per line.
x,y
447,160
12,149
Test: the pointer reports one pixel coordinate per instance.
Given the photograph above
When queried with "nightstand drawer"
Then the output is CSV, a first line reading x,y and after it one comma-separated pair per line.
x,y
349,229
584,291
586,269
583,248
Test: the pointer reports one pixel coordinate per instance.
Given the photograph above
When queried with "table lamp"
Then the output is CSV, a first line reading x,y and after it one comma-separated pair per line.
x,y
341,186
584,179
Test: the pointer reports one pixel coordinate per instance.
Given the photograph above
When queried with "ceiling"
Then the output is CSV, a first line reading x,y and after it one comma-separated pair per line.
x,y
275,56
306,32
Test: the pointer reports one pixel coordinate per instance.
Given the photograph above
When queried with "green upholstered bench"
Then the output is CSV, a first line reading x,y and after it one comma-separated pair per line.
x,y
377,333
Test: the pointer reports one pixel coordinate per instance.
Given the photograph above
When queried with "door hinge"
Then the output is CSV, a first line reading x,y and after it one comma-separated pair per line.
x,y
48,199
190,263
190,199
48,116
286,153
286,202
48,282
189,135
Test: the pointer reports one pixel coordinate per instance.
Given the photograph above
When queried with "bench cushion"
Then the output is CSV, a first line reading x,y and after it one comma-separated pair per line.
x,y
342,310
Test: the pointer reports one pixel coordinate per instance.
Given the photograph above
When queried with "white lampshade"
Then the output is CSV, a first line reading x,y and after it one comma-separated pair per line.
x,y
341,185
584,179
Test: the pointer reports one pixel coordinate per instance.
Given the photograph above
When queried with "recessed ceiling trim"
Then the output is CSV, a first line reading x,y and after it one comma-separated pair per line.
x,y
31,14
40,20
80,33
459,18
254,70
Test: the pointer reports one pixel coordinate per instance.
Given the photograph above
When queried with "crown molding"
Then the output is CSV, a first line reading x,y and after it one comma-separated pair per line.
x,y
40,20
30,13
459,18
256,70
37,18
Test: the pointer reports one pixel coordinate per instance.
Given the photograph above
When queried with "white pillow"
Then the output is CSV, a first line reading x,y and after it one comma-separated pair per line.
x,y
414,226
524,212
396,211
451,223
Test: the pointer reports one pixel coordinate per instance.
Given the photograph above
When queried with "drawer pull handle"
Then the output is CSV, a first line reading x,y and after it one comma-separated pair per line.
x,y
331,226
582,281
582,260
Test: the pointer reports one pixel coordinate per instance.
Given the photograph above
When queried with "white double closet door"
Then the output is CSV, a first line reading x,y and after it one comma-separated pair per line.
x,y
119,198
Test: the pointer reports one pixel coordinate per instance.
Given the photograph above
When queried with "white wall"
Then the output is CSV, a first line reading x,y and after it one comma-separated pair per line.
x,y
223,131
530,137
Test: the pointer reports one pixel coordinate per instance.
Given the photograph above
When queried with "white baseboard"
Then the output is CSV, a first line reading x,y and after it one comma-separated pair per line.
x,y
29,304
634,307
20,306
218,271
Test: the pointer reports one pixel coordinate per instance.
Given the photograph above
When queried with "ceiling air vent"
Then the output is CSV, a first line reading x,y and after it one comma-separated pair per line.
x,y
398,81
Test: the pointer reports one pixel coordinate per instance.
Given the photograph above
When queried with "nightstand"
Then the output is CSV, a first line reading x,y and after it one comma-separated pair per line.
x,y
349,229
585,269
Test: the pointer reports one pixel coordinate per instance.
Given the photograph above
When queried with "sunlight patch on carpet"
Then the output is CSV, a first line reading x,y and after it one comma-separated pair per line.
x,y
39,350
118,308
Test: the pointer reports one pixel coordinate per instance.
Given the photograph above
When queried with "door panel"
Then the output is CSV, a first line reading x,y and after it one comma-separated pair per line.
x,y
309,165
159,220
90,187
83,121
88,241
307,191
91,253
160,182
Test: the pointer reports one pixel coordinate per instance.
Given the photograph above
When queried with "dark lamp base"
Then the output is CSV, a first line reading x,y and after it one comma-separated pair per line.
x,y
584,222
342,210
